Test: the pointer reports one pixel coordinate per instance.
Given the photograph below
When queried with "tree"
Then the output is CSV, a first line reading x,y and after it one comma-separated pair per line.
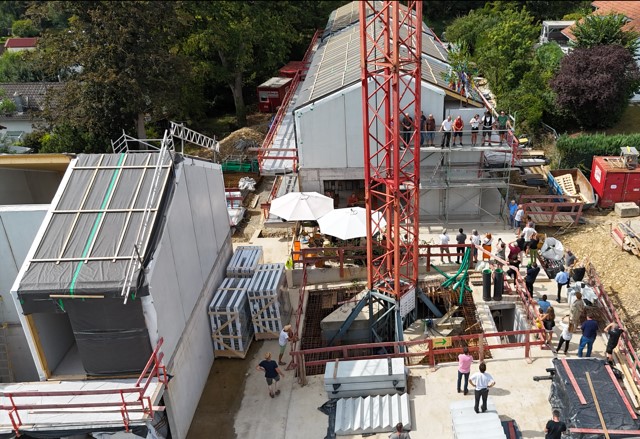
x,y
117,69
19,67
24,28
233,42
504,52
595,84
596,30
470,29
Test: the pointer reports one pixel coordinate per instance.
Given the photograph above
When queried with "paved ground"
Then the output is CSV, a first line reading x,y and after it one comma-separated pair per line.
x,y
236,398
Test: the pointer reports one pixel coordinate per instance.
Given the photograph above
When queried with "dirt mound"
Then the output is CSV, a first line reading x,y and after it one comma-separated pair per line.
x,y
239,141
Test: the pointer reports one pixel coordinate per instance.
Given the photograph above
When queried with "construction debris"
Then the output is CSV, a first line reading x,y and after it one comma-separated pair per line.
x,y
627,238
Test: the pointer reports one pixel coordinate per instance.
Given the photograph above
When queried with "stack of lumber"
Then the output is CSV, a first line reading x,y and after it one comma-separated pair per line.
x,y
627,238
535,176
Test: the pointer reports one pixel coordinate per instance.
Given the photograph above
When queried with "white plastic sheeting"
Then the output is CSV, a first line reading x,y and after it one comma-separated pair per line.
x,y
373,414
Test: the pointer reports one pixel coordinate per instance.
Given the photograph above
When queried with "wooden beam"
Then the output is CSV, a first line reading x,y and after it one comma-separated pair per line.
x,y
595,400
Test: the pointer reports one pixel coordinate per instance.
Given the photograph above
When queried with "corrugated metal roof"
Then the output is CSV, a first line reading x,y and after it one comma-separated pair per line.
x,y
336,63
373,414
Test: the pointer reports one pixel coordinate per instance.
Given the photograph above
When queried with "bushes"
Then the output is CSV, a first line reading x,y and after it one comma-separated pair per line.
x,y
579,151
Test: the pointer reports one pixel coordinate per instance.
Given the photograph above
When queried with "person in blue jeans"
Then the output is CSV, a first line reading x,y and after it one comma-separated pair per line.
x,y
589,331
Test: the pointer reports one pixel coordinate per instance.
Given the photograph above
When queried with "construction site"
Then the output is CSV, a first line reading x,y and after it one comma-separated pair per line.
x,y
144,288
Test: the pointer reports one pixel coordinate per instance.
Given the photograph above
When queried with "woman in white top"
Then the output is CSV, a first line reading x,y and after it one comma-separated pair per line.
x,y
444,240
475,126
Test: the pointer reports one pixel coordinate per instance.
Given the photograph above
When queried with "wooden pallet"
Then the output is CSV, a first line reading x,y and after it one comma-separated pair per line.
x,y
231,353
566,183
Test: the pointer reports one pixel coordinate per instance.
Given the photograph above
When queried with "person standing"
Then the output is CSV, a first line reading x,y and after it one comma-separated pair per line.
x,y
533,247
527,233
446,128
548,322
399,433
475,240
431,130
285,335
458,127
576,310
544,303
513,208
517,219
487,243
482,381
530,279
407,128
614,331
569,259
562,279
423,129
589,331
565,336
555,427
487,124
464,368
461,237
475,125
502,126
272,374
444,240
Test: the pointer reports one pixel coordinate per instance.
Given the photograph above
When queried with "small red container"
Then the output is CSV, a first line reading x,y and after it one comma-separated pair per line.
x,y
613,182
271,93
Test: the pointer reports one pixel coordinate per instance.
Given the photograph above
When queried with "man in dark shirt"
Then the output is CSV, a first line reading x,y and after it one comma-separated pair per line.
x,y
461,237
532,274
589,332
614,331
272,373
555,427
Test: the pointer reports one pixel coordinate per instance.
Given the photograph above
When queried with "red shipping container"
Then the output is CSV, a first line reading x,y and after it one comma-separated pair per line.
x,y
613,182
271,94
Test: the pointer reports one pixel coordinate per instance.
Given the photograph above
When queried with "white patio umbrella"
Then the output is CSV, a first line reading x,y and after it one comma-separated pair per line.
x,y
301,206
349,223
552,249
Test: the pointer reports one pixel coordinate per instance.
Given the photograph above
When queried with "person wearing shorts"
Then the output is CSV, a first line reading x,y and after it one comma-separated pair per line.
x,y
272,374
285,335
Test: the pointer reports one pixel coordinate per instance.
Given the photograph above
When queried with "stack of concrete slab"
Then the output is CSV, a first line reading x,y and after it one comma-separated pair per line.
x,y
231,325
372,414
467,424
244,261
266,291
345,379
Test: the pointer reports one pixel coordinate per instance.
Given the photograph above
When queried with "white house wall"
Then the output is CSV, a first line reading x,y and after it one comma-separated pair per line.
x,y
18,228
189,263
28,126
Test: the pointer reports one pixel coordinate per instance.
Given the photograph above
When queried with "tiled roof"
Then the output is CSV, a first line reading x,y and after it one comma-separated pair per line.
x,y
33,93
630,9
20,43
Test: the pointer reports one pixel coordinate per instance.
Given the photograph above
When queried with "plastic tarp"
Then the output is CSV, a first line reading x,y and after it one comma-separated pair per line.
x,y
577,415
112,337
89,239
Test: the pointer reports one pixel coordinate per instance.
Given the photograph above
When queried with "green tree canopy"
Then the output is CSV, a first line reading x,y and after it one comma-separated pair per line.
x,y
597,30
118,62
233,42
24,28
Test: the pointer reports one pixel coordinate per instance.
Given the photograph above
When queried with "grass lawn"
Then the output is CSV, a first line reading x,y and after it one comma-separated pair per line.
x,y
630,122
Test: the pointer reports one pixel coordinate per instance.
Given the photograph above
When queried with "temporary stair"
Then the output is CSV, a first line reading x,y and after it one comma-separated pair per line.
x,y
467,424
372,414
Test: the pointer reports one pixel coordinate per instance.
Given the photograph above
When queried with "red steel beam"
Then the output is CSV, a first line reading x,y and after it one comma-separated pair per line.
x,y
390,51
574,383
614,380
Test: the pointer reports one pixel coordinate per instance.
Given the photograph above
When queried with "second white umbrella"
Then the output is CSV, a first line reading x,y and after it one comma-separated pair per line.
x,y
349,223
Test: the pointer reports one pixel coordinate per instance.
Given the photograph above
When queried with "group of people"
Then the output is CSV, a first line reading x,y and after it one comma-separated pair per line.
x,y
453,129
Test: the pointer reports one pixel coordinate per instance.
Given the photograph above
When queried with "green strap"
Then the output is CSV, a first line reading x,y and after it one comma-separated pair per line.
x,y
96,223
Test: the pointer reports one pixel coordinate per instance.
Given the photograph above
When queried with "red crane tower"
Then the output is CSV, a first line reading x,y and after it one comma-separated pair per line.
x,y
391,60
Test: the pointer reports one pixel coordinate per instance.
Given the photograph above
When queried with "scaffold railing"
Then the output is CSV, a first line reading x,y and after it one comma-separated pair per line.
x,y
154,369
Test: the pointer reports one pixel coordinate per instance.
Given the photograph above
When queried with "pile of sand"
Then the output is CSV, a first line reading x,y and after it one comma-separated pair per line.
x,y
233,143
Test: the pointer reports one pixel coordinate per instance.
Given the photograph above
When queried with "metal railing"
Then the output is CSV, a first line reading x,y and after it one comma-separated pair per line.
x,y
153,369
547,208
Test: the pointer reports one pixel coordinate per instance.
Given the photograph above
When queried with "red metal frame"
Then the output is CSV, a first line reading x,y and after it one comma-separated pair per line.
x,y
264,152
391,82
153,369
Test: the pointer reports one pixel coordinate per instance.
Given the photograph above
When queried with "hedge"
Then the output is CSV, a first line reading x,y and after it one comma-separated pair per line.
x,y
578,152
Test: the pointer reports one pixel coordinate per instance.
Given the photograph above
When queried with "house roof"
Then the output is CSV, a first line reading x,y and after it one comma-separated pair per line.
x,y
336,63
33,93
630,9
20,43
94,223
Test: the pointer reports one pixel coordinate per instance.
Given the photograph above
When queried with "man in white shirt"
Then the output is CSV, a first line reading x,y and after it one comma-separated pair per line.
x,y
446,127
285,335
517,218
481,381
444,240
527,233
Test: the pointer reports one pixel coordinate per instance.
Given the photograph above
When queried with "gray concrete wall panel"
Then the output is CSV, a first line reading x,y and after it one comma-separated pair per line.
x,y
28,187
21,360
321,134
219,213
56,336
